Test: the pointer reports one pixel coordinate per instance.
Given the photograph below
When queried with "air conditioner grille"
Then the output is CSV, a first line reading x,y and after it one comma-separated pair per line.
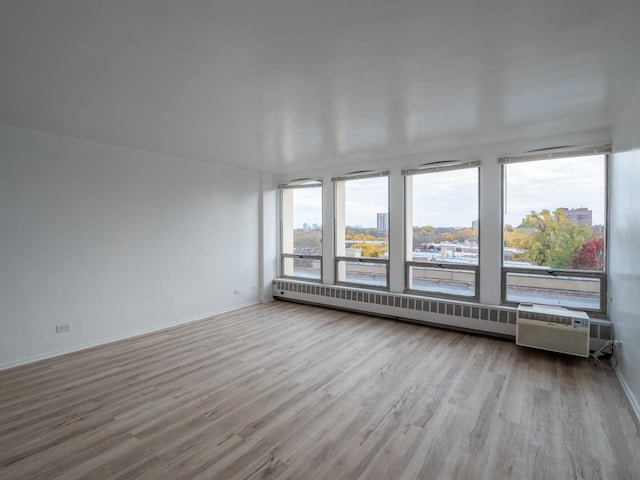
x,y
543,317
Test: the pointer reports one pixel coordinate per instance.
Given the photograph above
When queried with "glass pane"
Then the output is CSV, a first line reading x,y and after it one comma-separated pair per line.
x,y
374,274
555,213
567,291
302,267
444,217
447,281
366,218
302,221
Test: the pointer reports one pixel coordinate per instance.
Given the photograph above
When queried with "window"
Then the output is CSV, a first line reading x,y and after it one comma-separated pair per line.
x,y
442,229
362,229
301,230
554,229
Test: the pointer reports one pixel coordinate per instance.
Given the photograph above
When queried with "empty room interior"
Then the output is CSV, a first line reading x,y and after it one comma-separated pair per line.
x,y
301,239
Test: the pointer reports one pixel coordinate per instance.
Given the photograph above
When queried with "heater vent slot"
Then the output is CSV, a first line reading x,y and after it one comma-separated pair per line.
x,y
401,302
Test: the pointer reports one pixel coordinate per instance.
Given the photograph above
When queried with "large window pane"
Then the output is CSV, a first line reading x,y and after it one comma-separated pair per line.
x,y
555,220
302,231
555,213
364,273
442,212
302,220
444,281
362,230
309,268
566,290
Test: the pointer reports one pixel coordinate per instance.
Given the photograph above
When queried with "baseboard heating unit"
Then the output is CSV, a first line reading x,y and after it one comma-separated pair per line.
x,y
496,319
553,328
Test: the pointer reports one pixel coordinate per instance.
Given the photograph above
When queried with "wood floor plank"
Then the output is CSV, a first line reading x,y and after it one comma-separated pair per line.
x,y
289,391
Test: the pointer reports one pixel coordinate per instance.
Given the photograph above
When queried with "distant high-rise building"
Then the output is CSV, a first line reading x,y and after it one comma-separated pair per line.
x,y
474,224
582,215
383,221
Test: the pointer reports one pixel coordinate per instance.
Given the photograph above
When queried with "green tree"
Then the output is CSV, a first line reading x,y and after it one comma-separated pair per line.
x,y
552,239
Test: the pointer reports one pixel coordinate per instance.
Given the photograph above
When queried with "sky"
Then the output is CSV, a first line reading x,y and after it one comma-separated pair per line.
x,y
449,199
307,206
550,184
364,199
445,199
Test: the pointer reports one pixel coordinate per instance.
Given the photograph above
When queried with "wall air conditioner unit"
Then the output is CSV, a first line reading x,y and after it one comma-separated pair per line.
x,y
553,328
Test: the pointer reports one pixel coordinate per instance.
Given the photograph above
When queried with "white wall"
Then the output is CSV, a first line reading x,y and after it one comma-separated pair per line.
x,y
269,236
624,246
116,242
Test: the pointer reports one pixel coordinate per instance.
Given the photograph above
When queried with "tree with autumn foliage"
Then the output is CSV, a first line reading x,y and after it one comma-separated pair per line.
x,y
428,234
549,238
590,256
371,250
369,245
516,238
360,236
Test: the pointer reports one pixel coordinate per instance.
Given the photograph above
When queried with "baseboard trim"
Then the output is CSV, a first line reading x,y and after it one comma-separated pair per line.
x,y
635,408
137,333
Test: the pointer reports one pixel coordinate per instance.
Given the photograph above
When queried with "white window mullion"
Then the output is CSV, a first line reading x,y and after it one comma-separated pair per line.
x,y
490,232
396,233
329,223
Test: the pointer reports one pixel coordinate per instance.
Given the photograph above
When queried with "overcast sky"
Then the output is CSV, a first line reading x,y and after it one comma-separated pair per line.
x,y
446,199
364,199
550,184
307,206
449,199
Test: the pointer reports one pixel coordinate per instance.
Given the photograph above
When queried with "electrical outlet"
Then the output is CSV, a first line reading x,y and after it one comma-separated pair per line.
x,y
236,291
62,328
618,344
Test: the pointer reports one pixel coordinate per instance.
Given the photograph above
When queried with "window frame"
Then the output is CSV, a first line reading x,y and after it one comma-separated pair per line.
x,y
341,258
560,153
555,273
297,184
425,169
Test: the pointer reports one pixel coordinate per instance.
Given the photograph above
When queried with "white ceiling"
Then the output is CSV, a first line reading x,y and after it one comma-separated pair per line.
x,y
285,85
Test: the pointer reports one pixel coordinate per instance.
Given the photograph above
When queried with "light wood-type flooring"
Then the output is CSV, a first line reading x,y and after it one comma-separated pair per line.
x,y
288,391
